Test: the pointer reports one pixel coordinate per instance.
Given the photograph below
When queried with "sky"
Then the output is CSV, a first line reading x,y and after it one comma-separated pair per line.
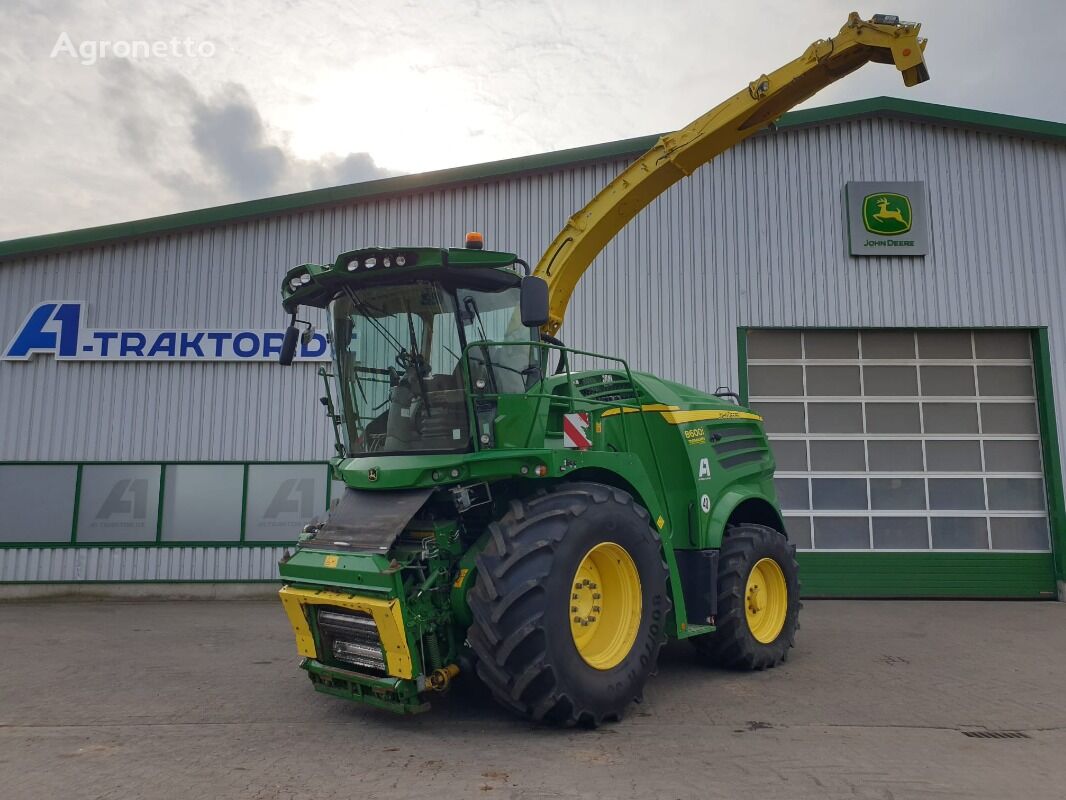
x,y
112,110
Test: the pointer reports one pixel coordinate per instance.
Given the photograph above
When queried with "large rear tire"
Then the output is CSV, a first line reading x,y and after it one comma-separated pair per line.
x,y
570,605
758,600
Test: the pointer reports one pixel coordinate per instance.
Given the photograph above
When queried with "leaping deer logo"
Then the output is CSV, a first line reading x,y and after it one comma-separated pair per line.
x,y
886,213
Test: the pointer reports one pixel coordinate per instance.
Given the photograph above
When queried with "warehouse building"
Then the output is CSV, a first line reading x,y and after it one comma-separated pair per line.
x,y
882,280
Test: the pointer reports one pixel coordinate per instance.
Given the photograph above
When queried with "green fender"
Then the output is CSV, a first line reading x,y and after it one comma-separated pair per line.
x,y
713,529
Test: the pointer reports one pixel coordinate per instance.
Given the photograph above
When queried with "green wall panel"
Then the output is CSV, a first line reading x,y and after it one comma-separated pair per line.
x,y
977,575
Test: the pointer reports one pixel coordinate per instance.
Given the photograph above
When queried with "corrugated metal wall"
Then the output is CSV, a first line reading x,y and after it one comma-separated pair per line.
x,y
755,239
113,564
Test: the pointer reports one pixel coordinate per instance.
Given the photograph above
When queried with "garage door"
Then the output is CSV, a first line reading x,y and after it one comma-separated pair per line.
x,y
891,441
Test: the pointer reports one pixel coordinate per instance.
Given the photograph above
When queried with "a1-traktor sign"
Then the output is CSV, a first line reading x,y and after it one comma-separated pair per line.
x,y
887,218
58,329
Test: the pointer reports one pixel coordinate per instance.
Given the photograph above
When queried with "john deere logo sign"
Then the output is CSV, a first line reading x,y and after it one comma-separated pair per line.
x,y
888,214
888,219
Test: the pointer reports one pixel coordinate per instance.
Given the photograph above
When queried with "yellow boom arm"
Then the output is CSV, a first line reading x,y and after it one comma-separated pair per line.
x,y
676,155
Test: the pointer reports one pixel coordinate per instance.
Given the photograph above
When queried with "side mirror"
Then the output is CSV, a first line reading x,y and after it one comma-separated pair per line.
x,y
288,346
534,301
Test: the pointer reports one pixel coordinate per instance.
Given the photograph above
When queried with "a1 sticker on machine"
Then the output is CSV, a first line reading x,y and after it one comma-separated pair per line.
x,y
576,431
704,472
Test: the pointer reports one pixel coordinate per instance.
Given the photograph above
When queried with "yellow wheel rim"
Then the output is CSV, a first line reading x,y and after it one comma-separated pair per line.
x,y
605,606
766,600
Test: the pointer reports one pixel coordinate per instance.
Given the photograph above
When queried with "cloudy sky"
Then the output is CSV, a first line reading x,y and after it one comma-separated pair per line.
x,y
247,98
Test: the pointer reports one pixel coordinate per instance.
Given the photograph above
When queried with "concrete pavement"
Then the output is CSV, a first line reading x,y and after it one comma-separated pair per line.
x,y
203,699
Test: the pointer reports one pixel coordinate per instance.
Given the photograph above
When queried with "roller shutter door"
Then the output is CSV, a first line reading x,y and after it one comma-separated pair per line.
x,y
907,442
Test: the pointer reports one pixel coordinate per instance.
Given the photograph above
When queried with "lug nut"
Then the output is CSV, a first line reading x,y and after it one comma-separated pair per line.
x,y
590,619
595,595
578,619
597,609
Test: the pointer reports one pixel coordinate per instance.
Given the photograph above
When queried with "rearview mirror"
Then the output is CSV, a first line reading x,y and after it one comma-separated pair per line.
x,y
288,346
534,301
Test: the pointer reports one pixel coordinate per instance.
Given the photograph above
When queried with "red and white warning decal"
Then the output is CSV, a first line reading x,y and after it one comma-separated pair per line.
x,y
576,431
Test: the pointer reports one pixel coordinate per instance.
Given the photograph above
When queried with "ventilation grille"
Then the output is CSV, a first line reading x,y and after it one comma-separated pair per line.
x,y
737,445
608,387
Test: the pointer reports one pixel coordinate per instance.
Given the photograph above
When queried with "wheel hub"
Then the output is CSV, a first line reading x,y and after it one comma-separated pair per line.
x,y
605,605
766,600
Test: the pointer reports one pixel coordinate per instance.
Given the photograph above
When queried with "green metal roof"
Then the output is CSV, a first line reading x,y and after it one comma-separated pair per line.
x,y
874,107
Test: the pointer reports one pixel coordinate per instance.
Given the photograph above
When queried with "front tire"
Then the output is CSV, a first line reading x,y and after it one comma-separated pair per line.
x,y
758,600
570,605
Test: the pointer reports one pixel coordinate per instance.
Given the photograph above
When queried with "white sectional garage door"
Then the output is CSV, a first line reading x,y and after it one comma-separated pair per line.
x,y
892,440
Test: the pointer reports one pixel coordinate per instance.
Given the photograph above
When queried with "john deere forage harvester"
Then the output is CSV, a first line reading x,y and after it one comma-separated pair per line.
x,y
510,516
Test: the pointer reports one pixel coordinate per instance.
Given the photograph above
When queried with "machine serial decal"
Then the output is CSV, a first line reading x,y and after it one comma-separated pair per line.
x,y
696,435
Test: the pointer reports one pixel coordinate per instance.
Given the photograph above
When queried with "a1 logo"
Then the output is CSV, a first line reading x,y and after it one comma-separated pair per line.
x,y
705,469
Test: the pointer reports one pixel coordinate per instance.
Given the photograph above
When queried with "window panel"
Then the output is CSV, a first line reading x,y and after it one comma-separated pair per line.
x,y
944,344
781,417
831,344
956,494
282,498
950,417
799,531
1008,456
895,455
1001,344
119,503
202,503
835,381
887,344
893,418
1016,494
789,454
897,493
1020,533
959,533
37,502
835,417
773,344
947,381
944,456
1008,417
838,493
775,381
838,456
890,381
1006,381
901,533
792,492
841,533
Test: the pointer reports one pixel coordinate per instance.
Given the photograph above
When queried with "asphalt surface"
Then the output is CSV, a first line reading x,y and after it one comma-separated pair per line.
x,y
203,699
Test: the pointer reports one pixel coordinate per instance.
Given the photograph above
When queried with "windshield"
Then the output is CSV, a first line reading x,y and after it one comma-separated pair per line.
x,y
397,351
